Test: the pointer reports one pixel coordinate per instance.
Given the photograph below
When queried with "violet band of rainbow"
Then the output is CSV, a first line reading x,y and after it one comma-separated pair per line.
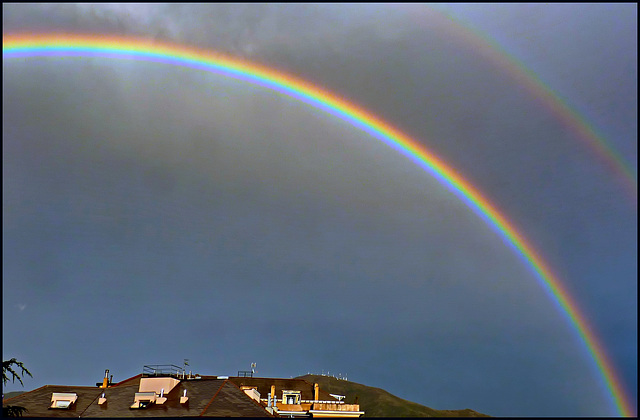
x,y
57,45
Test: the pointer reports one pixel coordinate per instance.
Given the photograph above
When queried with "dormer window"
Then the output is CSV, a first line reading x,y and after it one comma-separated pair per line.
x,y
291,397
63,400
143,399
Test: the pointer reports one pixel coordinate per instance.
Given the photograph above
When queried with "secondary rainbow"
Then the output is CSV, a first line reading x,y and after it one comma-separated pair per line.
x,y
489,48
64,45
559,107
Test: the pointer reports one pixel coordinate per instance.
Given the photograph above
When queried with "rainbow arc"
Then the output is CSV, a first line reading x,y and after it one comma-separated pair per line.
x,y
57,45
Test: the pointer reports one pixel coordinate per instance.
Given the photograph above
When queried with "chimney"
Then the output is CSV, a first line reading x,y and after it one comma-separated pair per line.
x,y
105,381
316,392
273,394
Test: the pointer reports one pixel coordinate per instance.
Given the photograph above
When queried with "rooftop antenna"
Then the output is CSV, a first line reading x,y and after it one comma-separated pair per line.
x,y
184,368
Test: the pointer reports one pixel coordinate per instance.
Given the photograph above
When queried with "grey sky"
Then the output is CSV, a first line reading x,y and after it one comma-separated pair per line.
x,y
153,213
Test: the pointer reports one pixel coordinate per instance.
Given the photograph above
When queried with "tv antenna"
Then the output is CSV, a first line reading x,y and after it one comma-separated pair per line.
x,y
184,368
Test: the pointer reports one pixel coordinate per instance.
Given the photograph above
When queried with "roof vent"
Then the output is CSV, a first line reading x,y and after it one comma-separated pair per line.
x,y
102,399
161,399
184,398
107,381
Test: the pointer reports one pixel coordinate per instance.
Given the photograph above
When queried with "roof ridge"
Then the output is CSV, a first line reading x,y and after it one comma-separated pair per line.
x,y
213,398
300,379
128,379
90,404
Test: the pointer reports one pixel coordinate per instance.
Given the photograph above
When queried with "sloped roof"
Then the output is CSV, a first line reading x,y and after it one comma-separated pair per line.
x,y
38,401
230,401
207,397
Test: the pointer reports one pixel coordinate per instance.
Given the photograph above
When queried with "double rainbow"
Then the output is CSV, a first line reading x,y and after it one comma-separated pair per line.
x,y
56,45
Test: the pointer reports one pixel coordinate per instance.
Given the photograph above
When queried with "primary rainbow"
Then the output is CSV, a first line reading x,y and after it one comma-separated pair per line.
x,y
57,45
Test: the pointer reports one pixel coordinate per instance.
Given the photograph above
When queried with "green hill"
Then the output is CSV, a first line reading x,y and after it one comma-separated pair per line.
x,y
12,394
376,402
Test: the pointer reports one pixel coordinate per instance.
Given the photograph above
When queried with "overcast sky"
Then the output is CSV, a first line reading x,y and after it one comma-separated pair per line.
x,y
154,213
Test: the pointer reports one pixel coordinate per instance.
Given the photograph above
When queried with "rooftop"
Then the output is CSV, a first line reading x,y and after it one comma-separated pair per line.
x,y
163,391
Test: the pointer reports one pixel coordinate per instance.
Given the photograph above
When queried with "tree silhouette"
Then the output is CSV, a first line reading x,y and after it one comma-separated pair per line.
x,y
6,367
13,410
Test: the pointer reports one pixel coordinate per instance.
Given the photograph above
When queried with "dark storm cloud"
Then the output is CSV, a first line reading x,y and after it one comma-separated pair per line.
x,y
239,220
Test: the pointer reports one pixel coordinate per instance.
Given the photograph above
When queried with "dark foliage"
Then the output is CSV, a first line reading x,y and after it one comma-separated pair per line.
x,y
6,367
13,411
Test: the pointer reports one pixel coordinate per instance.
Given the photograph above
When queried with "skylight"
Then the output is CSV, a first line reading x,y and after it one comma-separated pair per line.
x,y
63,400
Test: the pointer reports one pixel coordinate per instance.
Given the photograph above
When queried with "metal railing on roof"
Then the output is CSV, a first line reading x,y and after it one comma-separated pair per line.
x,y
245,373
162,370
